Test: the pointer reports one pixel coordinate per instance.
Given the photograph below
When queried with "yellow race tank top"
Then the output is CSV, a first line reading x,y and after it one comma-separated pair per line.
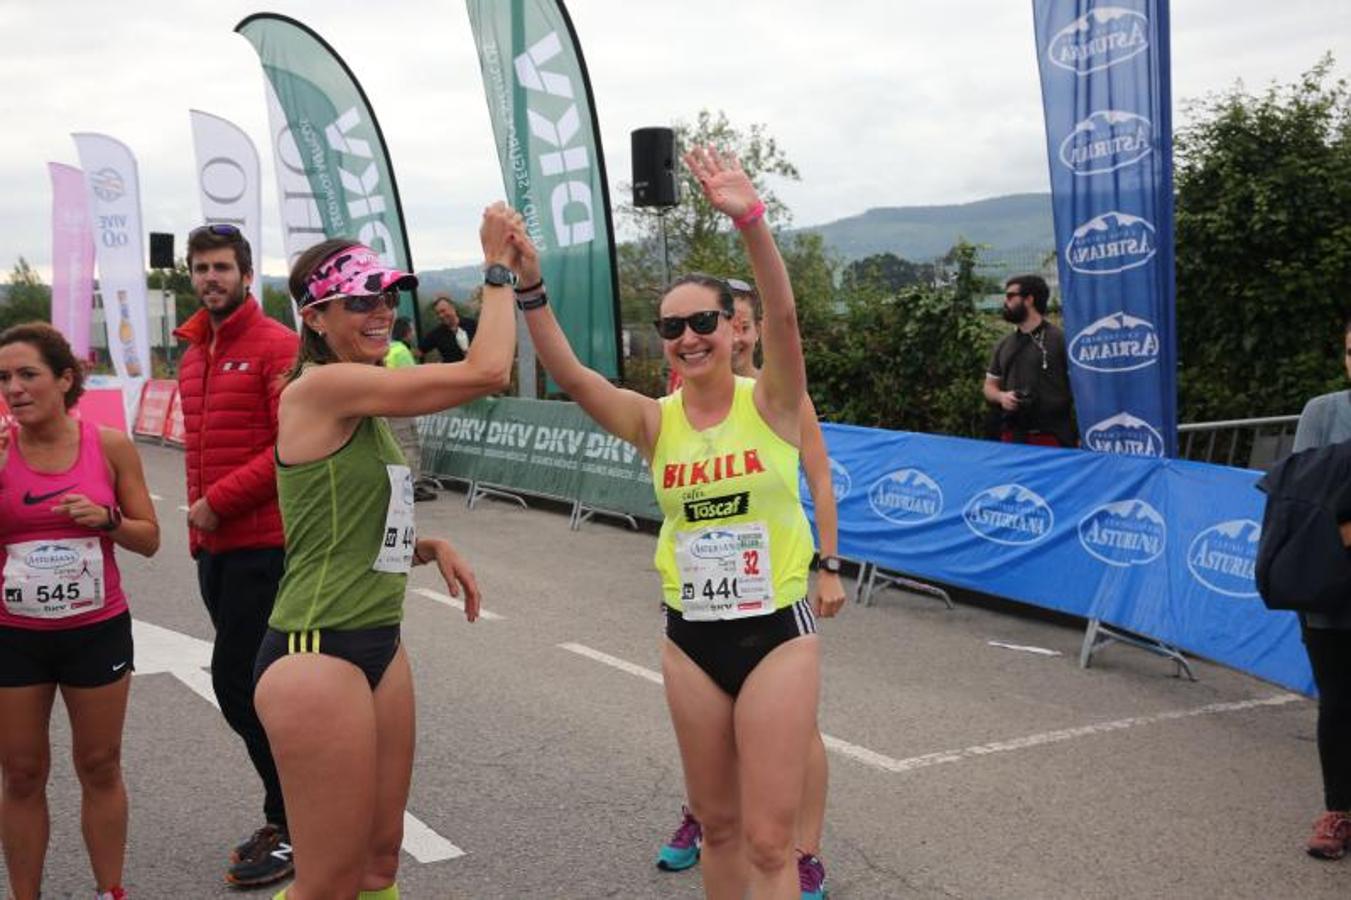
x,y
734,540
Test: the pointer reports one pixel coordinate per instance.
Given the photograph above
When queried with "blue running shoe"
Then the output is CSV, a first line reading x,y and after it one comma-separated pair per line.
x,y
682,850
811,877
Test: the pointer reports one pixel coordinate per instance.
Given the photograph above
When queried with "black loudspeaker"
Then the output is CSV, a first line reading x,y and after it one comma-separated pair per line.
x,y
654,177
161,250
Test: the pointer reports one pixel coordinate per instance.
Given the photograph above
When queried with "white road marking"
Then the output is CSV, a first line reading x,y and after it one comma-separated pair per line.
x,y
425,845
1067,734
455,603
1026,648
620,664
182,509
886,763
187,659
156,497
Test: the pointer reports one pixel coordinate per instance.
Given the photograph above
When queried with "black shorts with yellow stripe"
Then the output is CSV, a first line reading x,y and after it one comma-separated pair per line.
x,y
369,649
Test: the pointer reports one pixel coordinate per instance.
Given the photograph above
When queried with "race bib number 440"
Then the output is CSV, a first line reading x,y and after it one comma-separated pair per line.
x,y
54,579
725,572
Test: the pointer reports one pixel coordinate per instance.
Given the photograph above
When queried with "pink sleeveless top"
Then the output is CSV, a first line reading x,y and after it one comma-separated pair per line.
x,y
56,574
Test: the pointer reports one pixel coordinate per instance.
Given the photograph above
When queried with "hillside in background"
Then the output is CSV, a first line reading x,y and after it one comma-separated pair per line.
x,y
1016,229
920,233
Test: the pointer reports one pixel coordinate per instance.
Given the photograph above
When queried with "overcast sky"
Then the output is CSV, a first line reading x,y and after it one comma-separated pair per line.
x,y
878,102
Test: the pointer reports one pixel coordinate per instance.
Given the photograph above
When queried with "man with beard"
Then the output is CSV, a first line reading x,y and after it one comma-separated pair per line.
x,y
1028,384
229,383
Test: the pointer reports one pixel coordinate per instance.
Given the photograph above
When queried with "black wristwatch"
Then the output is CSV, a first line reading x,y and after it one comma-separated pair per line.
x,y
114,519
498,275
832,564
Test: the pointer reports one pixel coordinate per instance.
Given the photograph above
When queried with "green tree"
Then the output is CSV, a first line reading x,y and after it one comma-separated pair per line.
x,y
911,359
27,299
1263,247
886,270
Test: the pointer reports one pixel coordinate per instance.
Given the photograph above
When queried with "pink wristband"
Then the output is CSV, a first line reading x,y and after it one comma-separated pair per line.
x,y
753,215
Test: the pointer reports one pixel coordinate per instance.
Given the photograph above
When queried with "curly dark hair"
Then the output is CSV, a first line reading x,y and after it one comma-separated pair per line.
x,y
55,351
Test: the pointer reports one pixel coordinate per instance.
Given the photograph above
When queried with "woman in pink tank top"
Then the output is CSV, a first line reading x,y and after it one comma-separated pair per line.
x,y
69,491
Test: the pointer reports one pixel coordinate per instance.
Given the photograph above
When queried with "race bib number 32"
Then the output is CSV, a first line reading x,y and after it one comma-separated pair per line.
x,y
725,572
54,579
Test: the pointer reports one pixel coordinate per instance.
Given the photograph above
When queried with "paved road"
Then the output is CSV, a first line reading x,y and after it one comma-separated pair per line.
x,y
960,769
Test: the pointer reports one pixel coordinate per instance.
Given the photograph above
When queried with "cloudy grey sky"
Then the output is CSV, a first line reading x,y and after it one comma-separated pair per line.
x,y
878,102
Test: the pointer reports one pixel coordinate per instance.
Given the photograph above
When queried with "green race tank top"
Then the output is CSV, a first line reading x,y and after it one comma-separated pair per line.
x,y
349,535
734,539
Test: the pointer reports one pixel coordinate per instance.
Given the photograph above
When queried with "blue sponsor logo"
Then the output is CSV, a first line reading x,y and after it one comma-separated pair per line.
x,y
107,184
1224,557
841,482
1116,343
1009,514
906,497
1109,243
51,556
1107,140
1099,39
1126,533
1124,433
715,545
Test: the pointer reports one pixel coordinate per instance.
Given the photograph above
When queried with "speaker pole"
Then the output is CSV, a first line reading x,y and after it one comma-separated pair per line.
x,y
665,250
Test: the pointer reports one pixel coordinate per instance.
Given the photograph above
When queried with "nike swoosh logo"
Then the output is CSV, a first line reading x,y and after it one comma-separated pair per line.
x,y
119,667
30,500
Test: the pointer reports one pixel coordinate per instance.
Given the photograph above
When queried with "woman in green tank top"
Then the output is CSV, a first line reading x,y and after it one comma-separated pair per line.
x,y
333,686
741,661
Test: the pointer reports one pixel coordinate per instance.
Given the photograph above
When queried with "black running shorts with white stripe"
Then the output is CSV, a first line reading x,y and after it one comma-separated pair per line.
x,y
729,650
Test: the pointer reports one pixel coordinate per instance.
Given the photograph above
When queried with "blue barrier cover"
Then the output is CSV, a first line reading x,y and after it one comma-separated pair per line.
x,y
1164,548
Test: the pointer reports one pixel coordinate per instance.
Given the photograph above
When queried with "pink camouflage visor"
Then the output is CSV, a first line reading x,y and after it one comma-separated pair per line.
x,y
354,272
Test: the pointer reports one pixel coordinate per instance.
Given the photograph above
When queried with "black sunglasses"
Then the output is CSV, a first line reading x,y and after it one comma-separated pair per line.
x,y
219,229
739,287
363,303
705,322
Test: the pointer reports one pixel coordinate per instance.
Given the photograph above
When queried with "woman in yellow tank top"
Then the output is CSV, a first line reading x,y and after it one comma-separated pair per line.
x,y
741,662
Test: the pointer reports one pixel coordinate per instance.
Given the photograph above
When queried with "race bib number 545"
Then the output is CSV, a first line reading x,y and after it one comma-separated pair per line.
x,y
54,579
725,572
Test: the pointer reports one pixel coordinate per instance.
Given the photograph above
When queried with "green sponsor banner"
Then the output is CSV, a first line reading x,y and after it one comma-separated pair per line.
x,y
333,167
544,123
532,446
540,447
452,441
616,477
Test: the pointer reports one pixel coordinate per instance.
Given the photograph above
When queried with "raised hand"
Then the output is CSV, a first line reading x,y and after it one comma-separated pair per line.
x,y
724,183
499,221
526,261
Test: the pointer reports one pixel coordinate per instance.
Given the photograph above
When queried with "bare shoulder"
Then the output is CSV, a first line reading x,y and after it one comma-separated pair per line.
x,y
117,445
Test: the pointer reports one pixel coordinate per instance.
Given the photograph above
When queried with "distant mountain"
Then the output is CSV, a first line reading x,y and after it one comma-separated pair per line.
x,y
1016,227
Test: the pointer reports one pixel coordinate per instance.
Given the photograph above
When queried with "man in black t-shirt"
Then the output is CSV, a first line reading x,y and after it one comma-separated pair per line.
x,y
1028,383
452,337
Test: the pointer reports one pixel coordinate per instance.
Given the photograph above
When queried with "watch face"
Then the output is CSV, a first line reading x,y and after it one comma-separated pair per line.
x,y
831,564
498,275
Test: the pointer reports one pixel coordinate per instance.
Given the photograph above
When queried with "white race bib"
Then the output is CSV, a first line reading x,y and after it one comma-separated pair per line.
x,y
55,578
398,539
725,572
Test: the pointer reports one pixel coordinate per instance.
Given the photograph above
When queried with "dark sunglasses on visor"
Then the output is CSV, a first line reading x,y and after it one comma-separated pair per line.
x,y
706,322
219,229
363,303
739,287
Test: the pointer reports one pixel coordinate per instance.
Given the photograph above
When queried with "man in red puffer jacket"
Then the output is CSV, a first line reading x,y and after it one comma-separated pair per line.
x,y
230,384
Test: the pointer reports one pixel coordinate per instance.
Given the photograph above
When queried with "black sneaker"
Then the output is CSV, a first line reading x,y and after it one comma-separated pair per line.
x,y
265,858
422,493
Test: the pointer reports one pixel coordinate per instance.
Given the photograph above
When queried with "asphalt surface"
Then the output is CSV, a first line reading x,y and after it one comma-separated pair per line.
x,y
961,769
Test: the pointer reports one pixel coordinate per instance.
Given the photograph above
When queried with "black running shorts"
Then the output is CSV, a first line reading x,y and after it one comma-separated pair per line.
x,y
85,657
